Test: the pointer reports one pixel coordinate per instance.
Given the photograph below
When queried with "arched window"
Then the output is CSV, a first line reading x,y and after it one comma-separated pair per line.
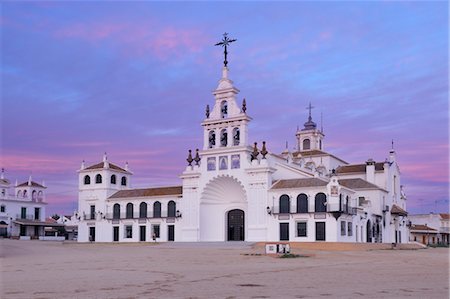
x,y
98,179
302,203
319,204
123,181
171,208
306,144
346,204
224,109
340,202
284,204
223,137
34,195
143,210
40,195
320,144
236,136
157,209
19,193
212,138
129,214
113,179
87,180
25,193
116,211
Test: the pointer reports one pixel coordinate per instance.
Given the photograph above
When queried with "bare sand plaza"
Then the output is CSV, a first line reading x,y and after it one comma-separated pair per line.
x,y
34,269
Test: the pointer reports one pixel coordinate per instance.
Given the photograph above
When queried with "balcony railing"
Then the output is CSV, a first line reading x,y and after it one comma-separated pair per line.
x,y
27,217
329,208
138,215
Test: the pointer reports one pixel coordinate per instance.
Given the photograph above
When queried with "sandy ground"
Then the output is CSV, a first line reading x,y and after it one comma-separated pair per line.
x,y
36,269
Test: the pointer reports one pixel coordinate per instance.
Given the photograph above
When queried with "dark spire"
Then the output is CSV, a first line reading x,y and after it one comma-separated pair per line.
x,y
197,157
309,125
189,158
207,111
264,151
255,152
244,106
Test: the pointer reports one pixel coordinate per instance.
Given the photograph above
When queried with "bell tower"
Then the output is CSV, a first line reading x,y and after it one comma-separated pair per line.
x,y
310,137
226,124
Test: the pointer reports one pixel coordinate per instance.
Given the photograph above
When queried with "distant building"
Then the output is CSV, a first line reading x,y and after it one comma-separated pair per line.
x,y
234,190
430,228
70,225
22,208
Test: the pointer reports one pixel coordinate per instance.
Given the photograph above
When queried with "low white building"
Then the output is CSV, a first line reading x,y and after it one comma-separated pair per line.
x,y
22,208
234,189
430,228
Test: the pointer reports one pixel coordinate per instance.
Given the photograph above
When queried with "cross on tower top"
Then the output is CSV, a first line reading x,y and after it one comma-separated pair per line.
x,y
224,43
310,108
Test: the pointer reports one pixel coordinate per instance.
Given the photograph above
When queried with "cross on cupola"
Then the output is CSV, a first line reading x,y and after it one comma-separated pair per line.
x,y
309,138
310,124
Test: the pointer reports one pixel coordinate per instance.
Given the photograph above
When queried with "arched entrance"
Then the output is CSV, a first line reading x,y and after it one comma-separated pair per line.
x,y
222,204
236,225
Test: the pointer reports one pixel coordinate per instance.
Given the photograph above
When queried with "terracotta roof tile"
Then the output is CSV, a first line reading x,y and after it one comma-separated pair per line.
x,y
445,216
421,227
397,210
299,183
358,184
4,181
358,168
33,184
161,191
101,166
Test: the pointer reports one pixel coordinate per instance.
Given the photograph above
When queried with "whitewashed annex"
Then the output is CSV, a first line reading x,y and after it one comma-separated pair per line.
x,y
234,189
22,208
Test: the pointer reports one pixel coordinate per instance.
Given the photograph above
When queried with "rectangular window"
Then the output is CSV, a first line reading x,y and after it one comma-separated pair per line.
x,y
301,229
2,209
350,229
37,213
211,164
361,201
92,216
235,162
128,231
155,230
223,162
23,213
343,228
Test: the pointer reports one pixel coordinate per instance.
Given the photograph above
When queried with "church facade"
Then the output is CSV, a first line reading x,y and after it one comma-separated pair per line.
x,y
236,190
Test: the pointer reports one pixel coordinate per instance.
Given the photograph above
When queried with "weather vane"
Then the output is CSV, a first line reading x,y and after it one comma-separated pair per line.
x,y
224,43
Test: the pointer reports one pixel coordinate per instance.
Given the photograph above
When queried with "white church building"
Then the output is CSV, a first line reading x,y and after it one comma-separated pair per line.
x,y
237,190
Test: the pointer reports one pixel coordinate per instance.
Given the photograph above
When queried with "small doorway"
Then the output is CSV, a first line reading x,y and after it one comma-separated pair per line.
x,y
23,230
142,233
36,231
116,234
320,231
92,234
235,230
171,233
369,232
284,231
